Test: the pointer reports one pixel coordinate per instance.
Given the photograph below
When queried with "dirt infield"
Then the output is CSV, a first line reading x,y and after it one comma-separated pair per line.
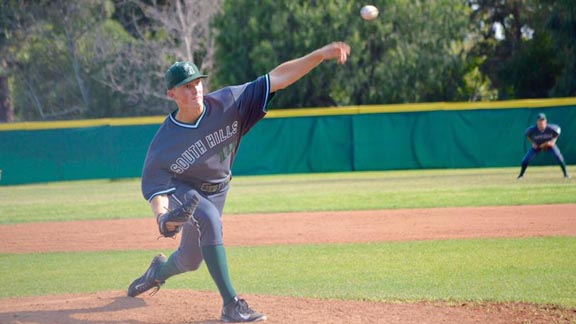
x,y
184,306
298,228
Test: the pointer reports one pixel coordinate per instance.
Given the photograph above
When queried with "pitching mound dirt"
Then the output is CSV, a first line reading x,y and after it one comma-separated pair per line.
x,y
179,306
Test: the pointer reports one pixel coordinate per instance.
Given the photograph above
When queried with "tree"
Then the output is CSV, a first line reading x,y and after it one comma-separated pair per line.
x,y
6,108
55,62
14,24
411,53
528,47
421,53
162,32
561,25
85,60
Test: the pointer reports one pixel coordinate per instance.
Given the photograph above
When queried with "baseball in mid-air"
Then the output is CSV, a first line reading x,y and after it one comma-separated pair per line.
x,y
369,12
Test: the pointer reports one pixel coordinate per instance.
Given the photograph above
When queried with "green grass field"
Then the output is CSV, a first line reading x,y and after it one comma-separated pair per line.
x,y
105,199
538,270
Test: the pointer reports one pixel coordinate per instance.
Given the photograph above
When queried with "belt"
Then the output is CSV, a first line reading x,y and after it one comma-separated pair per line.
x,y
208,187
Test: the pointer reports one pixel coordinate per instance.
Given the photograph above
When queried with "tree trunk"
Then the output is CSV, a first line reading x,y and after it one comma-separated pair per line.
x,y
6,109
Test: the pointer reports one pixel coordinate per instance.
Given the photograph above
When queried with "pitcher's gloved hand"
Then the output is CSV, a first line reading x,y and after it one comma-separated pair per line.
x,y
170,223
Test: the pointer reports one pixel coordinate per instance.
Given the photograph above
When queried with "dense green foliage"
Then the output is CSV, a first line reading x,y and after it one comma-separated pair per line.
x,y
408,55
532,52
62,62
105,58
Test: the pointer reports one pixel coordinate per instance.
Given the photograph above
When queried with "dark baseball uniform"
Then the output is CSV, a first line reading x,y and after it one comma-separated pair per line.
x,y
185,159
551,131
538,137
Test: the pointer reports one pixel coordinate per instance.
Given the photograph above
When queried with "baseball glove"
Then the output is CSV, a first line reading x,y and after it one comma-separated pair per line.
x,y
546,146
170,223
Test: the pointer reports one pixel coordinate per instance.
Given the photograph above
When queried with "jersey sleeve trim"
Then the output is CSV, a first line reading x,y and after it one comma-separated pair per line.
x,y
268,97
167,191
558,130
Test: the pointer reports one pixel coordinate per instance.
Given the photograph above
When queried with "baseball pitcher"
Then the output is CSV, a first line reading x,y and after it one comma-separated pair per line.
x,y
187,170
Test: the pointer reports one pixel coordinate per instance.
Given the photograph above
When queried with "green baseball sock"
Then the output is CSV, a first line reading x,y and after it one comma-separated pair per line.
x,y
215,258
563,166
168,269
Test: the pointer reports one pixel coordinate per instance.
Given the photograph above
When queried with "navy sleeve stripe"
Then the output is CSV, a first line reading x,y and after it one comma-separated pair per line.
x,y
265,107
167,191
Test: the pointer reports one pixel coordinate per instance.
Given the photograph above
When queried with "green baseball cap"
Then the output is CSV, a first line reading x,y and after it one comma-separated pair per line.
x,y
541,116
181,73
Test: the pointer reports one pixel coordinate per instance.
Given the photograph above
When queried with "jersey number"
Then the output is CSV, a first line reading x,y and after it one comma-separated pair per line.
x,y
226,151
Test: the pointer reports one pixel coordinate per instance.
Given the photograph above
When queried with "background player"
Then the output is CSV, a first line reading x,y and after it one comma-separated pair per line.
x,y
543,137
190,159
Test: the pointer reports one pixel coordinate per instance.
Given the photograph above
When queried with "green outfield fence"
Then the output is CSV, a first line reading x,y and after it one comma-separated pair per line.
x,y
383,137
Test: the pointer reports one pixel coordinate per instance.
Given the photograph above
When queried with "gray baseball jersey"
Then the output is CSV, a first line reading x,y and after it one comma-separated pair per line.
x,y
551,131
189,154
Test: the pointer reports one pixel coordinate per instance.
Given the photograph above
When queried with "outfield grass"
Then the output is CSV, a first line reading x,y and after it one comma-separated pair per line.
x,y
537,270
104,199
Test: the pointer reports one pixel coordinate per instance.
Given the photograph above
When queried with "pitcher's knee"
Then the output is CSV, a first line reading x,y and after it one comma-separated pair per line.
x,y
187,260
190,262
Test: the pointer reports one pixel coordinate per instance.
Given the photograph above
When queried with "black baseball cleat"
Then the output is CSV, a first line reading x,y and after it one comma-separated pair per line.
x,y
148,281
238,311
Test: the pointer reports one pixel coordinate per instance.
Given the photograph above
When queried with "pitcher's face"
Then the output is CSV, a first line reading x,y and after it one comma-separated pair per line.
x,y
189,95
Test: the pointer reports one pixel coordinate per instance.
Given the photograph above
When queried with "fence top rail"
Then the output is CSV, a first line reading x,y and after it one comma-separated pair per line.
x,y
309,112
